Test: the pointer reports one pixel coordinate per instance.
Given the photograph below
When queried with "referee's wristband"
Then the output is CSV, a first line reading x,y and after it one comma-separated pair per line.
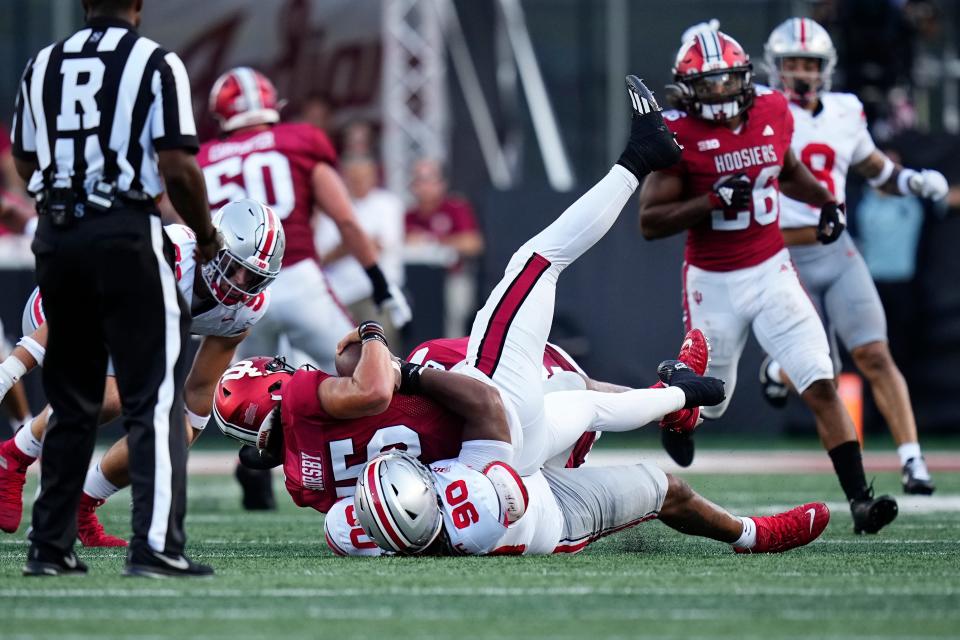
x,y
370,330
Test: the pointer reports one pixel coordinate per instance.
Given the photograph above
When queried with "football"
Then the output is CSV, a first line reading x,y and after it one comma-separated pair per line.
x,y
347,360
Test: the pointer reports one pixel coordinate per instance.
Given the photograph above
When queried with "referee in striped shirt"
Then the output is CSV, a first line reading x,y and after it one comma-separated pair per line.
x,y
103,124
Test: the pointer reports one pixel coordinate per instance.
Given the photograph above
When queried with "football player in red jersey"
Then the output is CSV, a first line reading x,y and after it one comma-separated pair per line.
x,y
492,408
291,167
737,274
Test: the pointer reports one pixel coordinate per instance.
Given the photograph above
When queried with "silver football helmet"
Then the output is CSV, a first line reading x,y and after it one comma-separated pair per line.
x,y
800,38
397,503
252,252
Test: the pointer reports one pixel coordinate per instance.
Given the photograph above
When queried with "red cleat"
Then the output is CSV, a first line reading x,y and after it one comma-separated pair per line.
x,y
89,530
695,353
13,475
790,529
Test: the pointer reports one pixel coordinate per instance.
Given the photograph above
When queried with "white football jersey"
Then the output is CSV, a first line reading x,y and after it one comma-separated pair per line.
x,y
538,531
473,517
218,321
827,143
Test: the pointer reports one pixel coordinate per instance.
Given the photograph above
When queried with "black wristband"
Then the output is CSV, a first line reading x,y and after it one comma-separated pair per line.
x,y
370,330
410,377
381,290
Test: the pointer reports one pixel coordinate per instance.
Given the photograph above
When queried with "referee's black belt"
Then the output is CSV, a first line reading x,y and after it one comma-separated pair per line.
x,y
67,202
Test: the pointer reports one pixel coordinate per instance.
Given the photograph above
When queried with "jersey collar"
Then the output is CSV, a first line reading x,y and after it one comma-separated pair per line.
x,y
105,21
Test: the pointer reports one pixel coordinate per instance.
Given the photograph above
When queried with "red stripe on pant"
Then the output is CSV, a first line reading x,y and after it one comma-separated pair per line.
x,y
491,346
582,447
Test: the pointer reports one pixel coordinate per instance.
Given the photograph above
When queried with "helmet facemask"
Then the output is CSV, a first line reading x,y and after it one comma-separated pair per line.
x,y
803,78
719,95
232,281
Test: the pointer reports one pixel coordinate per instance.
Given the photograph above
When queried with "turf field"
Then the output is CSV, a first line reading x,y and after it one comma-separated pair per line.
x,y
276,579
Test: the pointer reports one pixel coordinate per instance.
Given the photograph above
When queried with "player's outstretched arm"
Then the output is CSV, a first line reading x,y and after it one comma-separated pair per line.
x,y
369,390
25,357
212,359
332,197
798,183
891,177
664,212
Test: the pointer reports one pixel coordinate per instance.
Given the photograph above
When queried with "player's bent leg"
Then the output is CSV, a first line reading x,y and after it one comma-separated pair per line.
x,y
598,501
690,513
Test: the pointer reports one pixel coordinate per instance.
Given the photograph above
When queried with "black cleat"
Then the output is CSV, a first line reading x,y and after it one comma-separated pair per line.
x,y
775,393
50,563
152,564
651,145
916,478
872,514
257,486
678,445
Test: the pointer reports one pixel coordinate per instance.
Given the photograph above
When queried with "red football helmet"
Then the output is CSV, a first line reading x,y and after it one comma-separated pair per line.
x,y
713,77
242,97
246,396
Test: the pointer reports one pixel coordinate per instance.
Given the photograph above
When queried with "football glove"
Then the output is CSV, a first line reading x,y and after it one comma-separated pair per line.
x,y
389,298
833,220
926,183
652,145
732,193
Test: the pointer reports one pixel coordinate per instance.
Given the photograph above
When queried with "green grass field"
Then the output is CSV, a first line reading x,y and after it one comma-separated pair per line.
x,y
276,579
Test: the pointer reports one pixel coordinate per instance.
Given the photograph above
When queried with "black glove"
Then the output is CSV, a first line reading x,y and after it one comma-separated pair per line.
x,y
254,458
651,146
409,377
833,220
733,193
701,391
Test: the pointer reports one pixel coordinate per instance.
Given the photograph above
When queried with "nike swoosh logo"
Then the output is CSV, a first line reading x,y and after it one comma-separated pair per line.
x,y
813,515
686,344
177,563
70,561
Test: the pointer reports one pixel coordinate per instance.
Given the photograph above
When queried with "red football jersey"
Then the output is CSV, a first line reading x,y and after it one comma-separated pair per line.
x,y
323,455
273,166
444,353
725,241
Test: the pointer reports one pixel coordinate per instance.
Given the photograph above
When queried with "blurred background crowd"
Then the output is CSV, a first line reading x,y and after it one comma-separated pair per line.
x,y
464,125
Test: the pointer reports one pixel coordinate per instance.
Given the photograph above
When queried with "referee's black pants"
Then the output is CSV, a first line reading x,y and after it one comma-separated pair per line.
x,y
108,287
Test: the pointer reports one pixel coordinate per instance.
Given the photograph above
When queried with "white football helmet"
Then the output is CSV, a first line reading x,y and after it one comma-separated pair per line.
x,y
252,252
397,503
800,38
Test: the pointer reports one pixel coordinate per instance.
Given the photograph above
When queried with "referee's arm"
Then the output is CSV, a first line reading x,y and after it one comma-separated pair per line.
x,y
23,133
175,138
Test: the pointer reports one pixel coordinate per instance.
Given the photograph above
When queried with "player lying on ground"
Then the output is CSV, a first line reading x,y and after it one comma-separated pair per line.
x,y
830,137
226,297
725,194
563,511
490,512
493,407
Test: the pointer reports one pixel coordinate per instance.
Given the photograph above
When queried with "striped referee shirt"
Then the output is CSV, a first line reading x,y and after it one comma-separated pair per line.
x,y
98,106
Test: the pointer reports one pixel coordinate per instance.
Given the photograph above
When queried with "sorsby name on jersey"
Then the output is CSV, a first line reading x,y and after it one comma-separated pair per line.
x,y
745,158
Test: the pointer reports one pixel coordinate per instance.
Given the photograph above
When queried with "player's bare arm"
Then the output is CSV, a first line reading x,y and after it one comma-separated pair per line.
x,y
478,403
332,197
368,390
664,212
188,194
798,183
212,359
891,177
25,168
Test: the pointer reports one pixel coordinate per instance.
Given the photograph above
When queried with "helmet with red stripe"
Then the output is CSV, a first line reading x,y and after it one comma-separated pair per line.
x,y
252,252
397,503
712,77
800,58
242,97
246,397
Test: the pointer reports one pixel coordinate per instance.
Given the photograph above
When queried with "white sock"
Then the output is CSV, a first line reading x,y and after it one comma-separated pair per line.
x,y
907,451
97,486
773,371
748,538
26,443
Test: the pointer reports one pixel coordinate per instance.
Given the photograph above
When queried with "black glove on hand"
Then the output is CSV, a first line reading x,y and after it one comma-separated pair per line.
x,y
409,377
254,458
701,391
732,193
833,220
651,145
